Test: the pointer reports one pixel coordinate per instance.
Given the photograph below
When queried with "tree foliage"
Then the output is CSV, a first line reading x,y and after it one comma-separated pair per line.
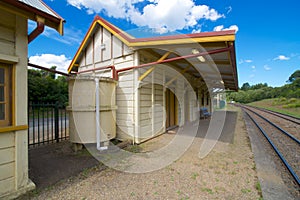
x,y
245,86
248,93
44,87
294,76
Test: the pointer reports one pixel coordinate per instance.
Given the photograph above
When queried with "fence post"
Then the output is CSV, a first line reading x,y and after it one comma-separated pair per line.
x,y
56,121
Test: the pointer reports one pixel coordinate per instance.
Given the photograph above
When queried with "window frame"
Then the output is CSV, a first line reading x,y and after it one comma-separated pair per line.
x,y
8,95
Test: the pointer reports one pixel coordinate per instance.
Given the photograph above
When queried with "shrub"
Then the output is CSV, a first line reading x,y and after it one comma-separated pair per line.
x,y
292,105
292,100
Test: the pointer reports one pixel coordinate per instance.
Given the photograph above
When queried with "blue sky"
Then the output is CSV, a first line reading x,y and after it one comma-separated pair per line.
x,y
267,38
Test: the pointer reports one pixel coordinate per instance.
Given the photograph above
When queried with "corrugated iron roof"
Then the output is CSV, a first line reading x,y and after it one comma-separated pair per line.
x,y
40,5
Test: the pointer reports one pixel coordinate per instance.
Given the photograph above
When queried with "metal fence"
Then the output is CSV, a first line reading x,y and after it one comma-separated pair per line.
x,y
48,123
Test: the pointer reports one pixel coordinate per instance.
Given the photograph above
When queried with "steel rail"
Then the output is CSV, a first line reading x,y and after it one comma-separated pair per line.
x,y
275,125
284,116
290,169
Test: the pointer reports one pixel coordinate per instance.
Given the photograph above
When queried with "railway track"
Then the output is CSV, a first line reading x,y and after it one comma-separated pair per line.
x,y
290,118
285,144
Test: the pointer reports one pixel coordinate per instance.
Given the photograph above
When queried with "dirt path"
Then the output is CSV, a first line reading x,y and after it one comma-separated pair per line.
x,y
228,172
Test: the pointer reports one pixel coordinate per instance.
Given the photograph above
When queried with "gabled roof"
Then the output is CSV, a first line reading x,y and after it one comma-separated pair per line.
x,y
32,9
210,40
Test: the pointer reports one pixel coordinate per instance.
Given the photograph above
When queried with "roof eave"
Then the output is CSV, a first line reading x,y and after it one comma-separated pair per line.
x,y
130,41
30,12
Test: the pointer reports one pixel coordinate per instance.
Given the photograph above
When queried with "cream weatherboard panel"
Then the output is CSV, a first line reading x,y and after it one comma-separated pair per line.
x,y
7,33
117,47
125,101
151,104
89,57
7,185
7,171
7,155
107,45
97,45
7,140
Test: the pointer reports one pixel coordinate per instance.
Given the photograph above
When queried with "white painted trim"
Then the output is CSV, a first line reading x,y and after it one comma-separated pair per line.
x,y
153,100
136,100
164,100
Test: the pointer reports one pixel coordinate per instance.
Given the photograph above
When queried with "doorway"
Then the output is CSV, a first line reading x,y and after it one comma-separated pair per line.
x,y
171,110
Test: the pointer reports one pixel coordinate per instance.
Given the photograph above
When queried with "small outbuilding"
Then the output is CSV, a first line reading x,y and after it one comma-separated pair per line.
x,y
161,82
14,39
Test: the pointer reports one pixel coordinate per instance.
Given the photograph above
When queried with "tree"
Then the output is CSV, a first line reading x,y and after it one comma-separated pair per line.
x,y
48,73
261,91
43,87
294,76
258,86
245,86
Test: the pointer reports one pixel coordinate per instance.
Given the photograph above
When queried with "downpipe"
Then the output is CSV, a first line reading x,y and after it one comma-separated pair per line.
x,y
98,130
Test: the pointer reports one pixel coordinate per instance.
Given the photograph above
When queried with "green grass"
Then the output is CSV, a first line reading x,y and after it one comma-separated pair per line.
x,y
258,187
208,190
133,148
282,105
195,175
245,190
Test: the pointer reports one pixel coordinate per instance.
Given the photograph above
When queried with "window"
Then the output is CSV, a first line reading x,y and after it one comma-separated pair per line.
x,y
5,94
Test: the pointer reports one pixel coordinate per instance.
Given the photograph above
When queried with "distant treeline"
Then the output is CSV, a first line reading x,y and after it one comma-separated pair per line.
x,y
250,93
45,87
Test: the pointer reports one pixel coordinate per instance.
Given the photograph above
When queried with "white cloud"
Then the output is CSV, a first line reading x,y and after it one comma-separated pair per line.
x,y
221,28
241,61
160,15
267,68
281,57
49,60
196,30
229,9
253,67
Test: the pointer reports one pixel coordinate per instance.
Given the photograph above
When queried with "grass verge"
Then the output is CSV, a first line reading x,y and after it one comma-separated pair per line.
x,y
282,105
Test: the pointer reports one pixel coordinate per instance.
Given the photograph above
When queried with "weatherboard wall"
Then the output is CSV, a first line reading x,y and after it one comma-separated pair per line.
x,y
14,137
140,113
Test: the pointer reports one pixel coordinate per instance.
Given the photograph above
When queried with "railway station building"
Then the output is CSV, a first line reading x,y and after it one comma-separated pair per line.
x,y
158,83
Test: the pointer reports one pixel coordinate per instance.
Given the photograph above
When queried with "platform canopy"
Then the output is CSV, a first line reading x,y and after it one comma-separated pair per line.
x,y
208,56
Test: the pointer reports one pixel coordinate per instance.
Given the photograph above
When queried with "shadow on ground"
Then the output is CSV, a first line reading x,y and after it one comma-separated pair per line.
x,y
228,129
54,162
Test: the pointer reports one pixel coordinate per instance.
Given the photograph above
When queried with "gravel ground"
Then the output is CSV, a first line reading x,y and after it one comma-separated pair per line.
x,y
228,172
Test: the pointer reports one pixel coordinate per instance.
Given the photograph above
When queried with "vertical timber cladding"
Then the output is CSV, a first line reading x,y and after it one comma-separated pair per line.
x,y
159,105
151,103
